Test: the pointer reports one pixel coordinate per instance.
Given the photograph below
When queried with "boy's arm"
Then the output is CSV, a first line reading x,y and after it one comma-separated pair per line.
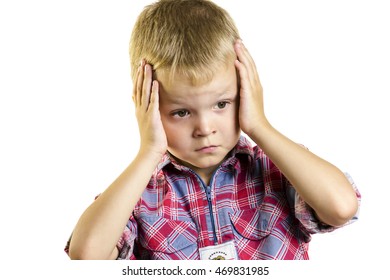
x,y
101,225
322,185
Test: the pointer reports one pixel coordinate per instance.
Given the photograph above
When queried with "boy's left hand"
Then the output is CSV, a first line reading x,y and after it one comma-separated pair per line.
x,y
251,112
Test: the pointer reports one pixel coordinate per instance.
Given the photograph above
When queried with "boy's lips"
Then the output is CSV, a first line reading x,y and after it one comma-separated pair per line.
x,y
207,149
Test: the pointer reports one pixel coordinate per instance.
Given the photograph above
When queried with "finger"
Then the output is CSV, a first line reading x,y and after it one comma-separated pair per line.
x,y
138,84
154,98
243,74
245,57
135,94
248,62
240,51
147,86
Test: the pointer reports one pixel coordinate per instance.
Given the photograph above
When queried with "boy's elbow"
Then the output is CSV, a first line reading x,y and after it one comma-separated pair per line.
x,y
90,253
82,252
343,212
76,253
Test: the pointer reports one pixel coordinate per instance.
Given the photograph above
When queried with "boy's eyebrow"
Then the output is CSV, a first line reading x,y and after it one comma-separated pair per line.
x,y
182,100
226,92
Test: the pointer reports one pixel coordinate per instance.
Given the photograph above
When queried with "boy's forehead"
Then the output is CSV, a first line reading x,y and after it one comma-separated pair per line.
x,y
179,92
181,86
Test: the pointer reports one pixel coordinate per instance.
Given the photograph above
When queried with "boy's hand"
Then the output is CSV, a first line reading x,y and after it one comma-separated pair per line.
x,y
251,113
146,99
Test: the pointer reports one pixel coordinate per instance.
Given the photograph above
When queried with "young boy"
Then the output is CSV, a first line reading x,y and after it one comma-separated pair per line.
x,y
197,189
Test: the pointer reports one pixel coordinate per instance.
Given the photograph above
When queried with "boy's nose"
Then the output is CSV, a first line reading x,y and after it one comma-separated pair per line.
x,y
204,127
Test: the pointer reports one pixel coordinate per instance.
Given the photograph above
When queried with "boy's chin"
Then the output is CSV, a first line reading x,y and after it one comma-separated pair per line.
x,y
206,164
200,162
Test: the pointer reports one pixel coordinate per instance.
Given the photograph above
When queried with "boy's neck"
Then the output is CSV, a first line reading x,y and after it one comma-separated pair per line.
x,y
204,173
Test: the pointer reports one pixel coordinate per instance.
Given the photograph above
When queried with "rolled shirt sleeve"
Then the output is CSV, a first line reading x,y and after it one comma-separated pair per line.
x,y
126,242
306,215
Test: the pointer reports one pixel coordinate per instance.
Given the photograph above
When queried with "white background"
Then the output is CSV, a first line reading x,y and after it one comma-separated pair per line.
x,y
68,127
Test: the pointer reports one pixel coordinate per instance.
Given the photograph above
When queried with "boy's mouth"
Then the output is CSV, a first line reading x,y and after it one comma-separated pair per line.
x,y
207,149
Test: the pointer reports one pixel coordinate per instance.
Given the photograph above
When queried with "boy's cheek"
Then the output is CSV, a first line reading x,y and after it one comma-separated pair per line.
x,y
169,126
165,122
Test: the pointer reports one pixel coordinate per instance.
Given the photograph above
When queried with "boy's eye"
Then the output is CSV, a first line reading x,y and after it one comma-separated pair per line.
x,y
221,104
181,113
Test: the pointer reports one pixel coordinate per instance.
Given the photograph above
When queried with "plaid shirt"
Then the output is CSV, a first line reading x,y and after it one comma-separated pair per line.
x,y
248,201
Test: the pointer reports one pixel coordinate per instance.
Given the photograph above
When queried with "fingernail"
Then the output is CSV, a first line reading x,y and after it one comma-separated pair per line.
x,y
238,43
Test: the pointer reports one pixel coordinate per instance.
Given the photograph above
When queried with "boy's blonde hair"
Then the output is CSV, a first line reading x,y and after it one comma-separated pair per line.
x,y
193,38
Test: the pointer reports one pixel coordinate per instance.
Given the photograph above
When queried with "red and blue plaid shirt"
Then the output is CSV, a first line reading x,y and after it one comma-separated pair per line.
x,y
248,201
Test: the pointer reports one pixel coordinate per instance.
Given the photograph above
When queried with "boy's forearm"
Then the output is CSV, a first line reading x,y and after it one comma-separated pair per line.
x,y
322,185
101,225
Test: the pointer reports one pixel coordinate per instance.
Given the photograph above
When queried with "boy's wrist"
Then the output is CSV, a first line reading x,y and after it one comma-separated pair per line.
x,y
260,131
150,155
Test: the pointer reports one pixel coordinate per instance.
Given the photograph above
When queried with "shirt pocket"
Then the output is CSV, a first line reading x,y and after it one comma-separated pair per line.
x,y
253,224
168,239
251,229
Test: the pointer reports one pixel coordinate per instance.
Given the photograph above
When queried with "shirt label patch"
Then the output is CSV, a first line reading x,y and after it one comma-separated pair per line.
x,y
225,251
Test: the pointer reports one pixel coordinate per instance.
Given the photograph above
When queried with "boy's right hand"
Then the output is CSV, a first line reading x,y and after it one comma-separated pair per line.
x,y
146,99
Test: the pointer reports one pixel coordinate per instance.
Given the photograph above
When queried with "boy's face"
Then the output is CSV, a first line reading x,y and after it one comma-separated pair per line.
x,y
201,122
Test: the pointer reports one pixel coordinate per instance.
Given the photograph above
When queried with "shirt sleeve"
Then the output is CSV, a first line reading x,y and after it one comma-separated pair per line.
x,y
67,245
126,242
306,216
